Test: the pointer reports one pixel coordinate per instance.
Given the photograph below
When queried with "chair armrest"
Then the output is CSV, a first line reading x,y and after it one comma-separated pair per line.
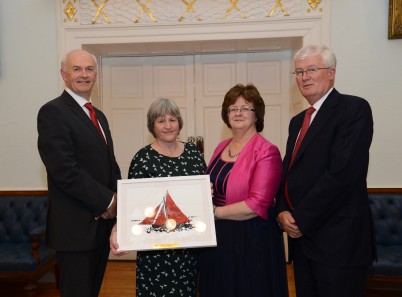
x,y
38,231
36,235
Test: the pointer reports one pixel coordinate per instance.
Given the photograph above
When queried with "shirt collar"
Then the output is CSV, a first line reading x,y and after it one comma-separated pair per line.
x,y
80,100
320,102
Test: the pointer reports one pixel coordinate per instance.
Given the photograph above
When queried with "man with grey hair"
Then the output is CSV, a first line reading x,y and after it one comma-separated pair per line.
x,y
76,147
323,202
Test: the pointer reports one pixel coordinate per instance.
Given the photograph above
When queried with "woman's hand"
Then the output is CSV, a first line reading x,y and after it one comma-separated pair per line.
x,y
114,247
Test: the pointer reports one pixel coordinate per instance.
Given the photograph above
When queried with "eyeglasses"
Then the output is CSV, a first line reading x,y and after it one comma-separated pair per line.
x,y
241,109
309,71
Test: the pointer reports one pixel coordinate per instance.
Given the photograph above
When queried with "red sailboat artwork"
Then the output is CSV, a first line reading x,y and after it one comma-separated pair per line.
x,y
167,217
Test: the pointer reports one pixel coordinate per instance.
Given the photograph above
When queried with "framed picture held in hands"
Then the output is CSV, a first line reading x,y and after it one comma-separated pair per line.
x,y
165,213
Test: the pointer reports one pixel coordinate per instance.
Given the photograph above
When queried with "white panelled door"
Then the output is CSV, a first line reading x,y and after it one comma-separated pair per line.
x,y
197,83
130,85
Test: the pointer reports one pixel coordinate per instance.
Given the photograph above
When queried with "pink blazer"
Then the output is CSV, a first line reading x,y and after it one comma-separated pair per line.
x,y
255,176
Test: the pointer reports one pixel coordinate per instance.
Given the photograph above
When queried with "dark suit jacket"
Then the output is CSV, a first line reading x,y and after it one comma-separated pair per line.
x,y
82,174
327,182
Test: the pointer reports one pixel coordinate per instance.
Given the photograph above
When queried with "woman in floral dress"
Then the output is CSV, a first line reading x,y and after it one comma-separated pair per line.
x,y
165,272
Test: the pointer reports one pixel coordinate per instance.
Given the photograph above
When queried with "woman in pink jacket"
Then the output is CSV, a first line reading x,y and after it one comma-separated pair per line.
x,y
245,171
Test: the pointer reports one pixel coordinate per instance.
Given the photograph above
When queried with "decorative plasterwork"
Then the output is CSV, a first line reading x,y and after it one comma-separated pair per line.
x,y
314,3
100,12
145,10
70,10
132,12
189,8
280,5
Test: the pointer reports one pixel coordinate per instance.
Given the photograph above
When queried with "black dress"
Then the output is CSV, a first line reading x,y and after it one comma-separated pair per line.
x,y
249,258
167,273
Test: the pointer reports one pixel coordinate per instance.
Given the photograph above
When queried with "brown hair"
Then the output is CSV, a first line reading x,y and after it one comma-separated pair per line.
x,y
250,93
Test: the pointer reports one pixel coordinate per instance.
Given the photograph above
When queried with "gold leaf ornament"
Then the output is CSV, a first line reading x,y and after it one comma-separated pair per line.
x,y
234,6
314,3
70,11
279,4
100,12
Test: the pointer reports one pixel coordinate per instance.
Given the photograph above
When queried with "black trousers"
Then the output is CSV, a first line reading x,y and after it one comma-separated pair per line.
x,y
314,279
81,273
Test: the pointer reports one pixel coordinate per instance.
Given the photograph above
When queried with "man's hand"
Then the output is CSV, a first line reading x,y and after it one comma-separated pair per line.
x,y
111,212
114,247
289,224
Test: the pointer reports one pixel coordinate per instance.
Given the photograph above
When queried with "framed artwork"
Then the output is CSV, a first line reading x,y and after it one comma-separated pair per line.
x,y
165,213
395,19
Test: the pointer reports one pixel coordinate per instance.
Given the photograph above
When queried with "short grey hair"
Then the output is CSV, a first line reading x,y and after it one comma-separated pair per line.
x,y
161,108
327,55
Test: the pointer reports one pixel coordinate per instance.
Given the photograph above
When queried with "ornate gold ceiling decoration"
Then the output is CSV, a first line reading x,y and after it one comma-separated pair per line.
x,y
130,12
234,6
100,11
145,9
280,5
189,8
314,3
70,11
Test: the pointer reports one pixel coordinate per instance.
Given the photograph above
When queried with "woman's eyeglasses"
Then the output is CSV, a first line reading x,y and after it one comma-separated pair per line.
x,y
241,109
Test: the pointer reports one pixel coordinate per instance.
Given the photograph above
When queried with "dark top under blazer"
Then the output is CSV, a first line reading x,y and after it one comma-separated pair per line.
x,y
327,182
82,173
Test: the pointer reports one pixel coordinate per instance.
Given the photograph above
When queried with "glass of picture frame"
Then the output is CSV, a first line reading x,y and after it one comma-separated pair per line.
x,y
165,213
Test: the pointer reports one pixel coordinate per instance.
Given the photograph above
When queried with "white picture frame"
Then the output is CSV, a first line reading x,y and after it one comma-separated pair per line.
x,y
165,213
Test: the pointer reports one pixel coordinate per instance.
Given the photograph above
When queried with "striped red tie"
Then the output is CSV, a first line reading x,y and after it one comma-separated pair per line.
x,y
94,118
303,131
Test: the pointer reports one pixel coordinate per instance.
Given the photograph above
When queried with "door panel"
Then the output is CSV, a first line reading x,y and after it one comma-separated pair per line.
x,y
130,85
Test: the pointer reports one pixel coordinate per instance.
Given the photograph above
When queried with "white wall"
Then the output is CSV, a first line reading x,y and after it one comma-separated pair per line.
x,y
28,78
369,65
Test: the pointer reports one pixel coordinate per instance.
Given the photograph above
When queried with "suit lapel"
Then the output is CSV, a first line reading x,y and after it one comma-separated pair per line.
x,y
323,115
77,109
293,133
104,125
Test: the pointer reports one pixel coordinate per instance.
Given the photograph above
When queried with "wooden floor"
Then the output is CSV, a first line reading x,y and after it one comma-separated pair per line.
x,y
119,281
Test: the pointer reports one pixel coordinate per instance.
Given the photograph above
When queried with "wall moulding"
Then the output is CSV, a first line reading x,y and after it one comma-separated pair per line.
x,y
310,30
130,12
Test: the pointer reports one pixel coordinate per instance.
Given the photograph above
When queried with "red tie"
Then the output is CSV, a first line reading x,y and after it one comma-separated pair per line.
x,y
94,119
303,131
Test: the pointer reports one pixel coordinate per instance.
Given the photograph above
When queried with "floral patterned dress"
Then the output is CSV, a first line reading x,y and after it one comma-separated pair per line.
x,y
167,273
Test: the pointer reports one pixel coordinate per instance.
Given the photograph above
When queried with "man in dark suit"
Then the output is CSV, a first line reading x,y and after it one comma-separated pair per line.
x,y
82,179
323,202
